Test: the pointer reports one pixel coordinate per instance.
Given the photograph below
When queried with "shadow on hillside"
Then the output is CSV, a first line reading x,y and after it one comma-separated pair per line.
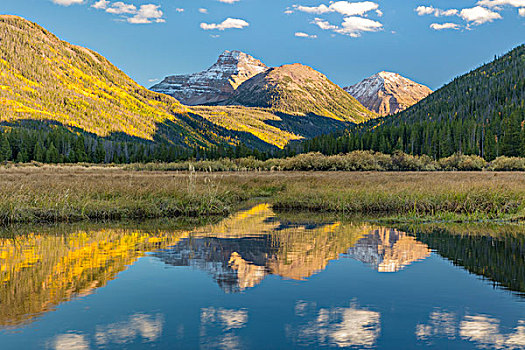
x,y
168,132
308,126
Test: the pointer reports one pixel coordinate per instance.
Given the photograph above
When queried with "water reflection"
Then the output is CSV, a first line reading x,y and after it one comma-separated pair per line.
x,y
495,252
351,326
240,251
482,330
140,328
218,328
388,250
147,327
39,271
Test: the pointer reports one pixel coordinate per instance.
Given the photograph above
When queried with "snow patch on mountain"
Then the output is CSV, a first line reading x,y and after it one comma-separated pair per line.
x,y
388,93
214,84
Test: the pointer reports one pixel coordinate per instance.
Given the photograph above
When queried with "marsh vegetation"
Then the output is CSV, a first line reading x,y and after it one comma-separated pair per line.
x,y
75,193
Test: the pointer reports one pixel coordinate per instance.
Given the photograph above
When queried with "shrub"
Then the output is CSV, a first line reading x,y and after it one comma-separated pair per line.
x,y
462,162
507,164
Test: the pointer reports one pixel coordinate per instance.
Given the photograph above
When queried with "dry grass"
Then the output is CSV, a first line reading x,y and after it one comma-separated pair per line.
x,y
54,193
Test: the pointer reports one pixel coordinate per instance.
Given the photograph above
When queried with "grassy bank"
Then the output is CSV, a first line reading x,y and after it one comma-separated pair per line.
x,y
57,194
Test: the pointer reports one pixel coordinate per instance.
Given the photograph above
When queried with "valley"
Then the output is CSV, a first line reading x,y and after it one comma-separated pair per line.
x,y
242,174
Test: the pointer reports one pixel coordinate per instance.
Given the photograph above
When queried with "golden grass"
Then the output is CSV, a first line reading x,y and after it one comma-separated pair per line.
x,y
71,193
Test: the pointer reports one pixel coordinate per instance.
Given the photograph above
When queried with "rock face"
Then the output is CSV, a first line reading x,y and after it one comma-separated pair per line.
x,y
215,84
296,88
388,93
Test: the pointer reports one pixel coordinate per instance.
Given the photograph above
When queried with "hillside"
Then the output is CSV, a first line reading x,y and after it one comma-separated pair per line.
x,y
495,88
45,79
481,113
388,93
214,84
299,89
46,83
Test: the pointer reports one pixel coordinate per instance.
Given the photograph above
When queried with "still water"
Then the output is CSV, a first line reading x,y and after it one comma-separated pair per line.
x,y
261,280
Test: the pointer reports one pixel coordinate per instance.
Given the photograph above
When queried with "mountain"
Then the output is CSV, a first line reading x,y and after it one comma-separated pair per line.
x,y
214,84
299,89
479,113
388,93
48,84
45,79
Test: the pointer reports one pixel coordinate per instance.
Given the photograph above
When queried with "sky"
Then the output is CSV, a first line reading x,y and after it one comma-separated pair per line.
x,y
429,41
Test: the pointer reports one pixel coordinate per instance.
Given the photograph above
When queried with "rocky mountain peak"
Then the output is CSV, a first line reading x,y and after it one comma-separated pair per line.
x,y
215,84
388,93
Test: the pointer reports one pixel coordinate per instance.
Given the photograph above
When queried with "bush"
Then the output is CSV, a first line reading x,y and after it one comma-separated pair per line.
x,y
462,162
406,162
507,164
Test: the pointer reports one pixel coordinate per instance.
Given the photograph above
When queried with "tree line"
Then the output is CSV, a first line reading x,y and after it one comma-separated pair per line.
x,y
60,145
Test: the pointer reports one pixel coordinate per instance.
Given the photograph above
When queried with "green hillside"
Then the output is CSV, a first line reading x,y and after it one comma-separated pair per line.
x,y
480,113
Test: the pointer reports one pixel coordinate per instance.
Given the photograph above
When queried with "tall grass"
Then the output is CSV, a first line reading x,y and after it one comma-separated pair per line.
x,y
56,193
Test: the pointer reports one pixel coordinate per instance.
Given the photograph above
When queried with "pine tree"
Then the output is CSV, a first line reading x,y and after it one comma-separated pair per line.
x,y
5,149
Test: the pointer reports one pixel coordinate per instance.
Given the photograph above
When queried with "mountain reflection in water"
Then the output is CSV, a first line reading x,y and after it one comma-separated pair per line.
x,y
39,271
240,251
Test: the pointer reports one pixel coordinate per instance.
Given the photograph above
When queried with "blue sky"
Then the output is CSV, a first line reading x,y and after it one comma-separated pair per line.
x,y
430,41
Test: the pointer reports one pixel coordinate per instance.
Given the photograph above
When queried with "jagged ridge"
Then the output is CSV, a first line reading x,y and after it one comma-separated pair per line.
x,y
214,84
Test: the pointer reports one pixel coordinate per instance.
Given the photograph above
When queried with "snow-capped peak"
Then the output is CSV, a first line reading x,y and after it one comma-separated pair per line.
x,y
216,83
388,93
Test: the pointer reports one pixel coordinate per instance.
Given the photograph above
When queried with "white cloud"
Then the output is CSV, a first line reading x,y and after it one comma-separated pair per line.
x,y
351,26
479,15
203,10
521,12
101,5
354,8
497,3
179,9
324,25
345,8
288,12
119,8
305,35
229,23
429,10
228,1
354,13
441,26
67,2
317,10
147,14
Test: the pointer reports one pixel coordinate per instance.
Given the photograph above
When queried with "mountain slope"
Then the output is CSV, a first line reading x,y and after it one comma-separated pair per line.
x,y
388,93
45,79
486,92
299,89
48,82
479,113
214,84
